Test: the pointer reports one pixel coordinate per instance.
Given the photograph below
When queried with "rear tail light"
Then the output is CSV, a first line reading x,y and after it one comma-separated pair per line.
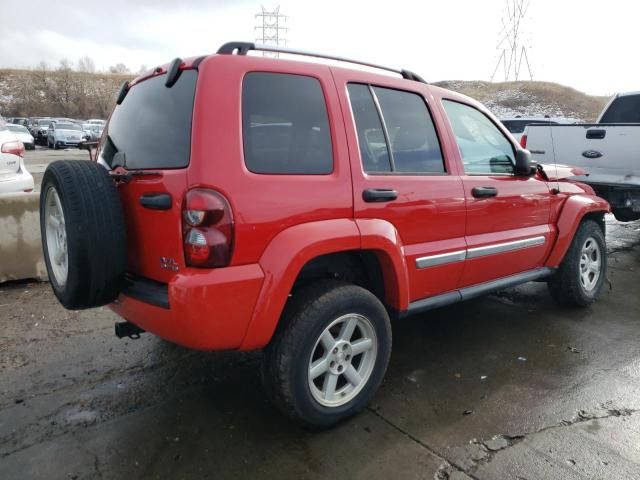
x,y
16,148
207,224
523,141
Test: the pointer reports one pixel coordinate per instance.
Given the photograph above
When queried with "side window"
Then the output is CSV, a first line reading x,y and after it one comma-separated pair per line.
x,y
397,134
285,127
483,147
373,146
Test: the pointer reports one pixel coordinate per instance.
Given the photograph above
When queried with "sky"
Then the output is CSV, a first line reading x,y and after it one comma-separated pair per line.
x,y
586,44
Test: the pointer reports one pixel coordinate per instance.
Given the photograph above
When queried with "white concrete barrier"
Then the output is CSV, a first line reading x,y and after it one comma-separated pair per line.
x,y
20,246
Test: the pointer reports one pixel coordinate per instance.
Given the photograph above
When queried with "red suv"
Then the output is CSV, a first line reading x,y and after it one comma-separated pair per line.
x,y
245,202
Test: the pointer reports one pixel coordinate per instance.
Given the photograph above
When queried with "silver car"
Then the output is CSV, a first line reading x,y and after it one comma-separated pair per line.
x,y
64,134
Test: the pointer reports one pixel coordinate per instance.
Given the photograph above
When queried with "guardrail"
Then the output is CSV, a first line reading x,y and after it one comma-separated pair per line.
x,y
20,246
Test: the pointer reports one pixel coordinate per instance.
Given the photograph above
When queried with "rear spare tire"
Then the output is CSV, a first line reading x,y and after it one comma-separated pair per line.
x,y
83,233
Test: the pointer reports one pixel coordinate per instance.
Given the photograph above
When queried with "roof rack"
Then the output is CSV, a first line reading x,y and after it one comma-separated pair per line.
x,y
242,48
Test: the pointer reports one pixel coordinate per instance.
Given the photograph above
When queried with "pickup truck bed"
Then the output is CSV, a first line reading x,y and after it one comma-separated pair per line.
x,y
609,152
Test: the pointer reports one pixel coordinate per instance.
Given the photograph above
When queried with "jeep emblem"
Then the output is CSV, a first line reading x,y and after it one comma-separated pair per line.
x,y
167,263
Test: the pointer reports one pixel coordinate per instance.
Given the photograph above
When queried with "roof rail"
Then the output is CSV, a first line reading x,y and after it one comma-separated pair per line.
x,y
242,48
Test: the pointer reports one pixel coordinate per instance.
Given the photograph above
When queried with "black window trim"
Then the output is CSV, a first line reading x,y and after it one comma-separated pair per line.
x,y
393,172
500,128
332,133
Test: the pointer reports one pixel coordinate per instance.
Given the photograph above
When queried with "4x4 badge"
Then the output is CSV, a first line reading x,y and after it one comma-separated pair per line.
x,y
167,263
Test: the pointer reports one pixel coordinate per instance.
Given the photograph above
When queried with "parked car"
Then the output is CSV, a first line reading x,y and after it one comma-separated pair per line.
x,y
23,135
63,134
92,131
342,198
14,176
516,125
96,121
40,129
607,150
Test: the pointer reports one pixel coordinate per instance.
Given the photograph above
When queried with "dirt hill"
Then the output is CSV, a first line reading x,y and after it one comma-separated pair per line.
x,y
64,92
531,99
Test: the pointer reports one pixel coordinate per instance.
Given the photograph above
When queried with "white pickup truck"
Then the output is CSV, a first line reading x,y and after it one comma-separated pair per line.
x,y
608,150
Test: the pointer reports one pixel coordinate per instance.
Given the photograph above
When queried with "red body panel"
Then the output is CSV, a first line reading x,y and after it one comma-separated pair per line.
x,y
284,221
574,208
209,310
282,261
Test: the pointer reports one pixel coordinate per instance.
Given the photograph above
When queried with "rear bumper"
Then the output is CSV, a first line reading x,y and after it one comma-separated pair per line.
x,y
204,309
20,182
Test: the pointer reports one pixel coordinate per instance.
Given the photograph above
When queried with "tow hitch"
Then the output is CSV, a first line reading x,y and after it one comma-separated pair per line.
x,y
128,329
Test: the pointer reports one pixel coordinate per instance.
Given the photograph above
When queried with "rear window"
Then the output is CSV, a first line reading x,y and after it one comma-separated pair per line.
x,y
518,126
285,127
624,109
152,126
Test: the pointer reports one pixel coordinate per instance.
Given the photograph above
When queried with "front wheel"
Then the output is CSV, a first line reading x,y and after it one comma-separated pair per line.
x,y
583,270
330,355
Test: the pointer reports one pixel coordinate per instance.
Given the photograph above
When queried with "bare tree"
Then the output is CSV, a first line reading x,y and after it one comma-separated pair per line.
x,y
86,64
119,68
143,68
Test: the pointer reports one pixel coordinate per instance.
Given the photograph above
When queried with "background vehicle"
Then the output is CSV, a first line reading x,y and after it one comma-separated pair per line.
x,y
23,135
341,198
39,129
516,125
62,134
608,150
14,176
92,131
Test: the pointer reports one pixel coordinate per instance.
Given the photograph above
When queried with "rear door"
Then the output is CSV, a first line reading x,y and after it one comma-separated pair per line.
x,y
401,174
508,228
150,133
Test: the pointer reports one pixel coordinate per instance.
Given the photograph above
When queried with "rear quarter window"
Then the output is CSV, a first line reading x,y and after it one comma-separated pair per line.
x,y
285,126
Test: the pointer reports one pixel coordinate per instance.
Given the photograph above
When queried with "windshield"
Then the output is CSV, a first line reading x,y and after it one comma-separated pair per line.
x,y
67,126
152,126
624,109
17,128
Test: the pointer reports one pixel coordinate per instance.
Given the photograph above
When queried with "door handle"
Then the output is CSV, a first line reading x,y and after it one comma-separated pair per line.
x,y
156,201
484,192
375,195
596,134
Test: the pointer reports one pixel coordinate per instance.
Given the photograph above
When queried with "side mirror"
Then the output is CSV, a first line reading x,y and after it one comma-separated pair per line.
x,y
525,167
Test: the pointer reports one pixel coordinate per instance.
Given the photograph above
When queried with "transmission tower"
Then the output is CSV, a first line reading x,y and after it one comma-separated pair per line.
x,y
270,30
513,52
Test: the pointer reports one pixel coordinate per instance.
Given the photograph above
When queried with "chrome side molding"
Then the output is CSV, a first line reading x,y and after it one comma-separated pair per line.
x,y
460,255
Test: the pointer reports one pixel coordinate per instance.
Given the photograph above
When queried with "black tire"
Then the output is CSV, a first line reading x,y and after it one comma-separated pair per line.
x,y
565,286
285,370
626,215
95,233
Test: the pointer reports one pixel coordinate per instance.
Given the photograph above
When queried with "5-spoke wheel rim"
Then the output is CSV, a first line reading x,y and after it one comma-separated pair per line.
x,y
590,264
342,360
56,233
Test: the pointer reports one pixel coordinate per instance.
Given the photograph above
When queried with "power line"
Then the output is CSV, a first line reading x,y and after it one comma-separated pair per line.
x,y
270,30
513,53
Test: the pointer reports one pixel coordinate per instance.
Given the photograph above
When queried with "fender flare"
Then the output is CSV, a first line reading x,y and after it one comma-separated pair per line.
x,y
290,250
573,211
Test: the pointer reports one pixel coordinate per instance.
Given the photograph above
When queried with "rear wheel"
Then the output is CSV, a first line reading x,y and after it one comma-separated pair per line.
x,y
582,273
329,356
83,234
